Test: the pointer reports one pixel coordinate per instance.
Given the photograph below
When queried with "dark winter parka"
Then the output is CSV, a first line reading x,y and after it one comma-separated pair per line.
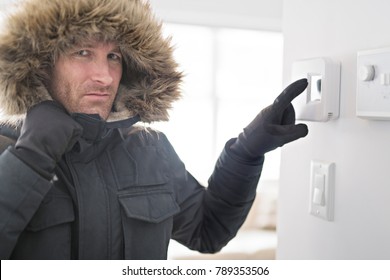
x,y
121,192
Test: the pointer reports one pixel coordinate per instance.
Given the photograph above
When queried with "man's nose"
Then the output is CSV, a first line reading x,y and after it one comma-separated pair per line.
x,y
102,73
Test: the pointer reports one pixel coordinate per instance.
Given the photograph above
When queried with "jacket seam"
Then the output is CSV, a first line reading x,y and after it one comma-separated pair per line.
x,y
107,212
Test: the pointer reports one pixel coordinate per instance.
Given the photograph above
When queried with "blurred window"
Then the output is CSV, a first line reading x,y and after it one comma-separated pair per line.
x,y
230,75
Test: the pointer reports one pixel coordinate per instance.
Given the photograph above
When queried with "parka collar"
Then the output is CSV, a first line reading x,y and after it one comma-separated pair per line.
x,y
94,128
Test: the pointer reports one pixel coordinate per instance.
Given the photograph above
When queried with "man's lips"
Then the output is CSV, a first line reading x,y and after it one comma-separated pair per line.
x,y
97,95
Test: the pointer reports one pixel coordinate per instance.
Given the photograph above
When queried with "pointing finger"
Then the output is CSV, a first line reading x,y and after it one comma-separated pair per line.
x,y
288,95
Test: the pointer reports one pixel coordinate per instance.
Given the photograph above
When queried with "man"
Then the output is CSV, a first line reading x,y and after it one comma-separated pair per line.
x,y
81,181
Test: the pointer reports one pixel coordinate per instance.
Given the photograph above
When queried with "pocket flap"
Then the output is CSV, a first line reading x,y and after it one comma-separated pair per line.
x,y
150,207
53,211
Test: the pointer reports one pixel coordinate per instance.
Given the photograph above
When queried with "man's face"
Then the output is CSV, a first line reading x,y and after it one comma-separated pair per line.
x,y
86,78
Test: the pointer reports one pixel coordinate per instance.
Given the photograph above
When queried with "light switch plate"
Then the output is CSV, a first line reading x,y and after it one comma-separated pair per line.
x,y
325,187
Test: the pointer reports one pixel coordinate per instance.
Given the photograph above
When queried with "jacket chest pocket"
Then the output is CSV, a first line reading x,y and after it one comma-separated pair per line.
x,y
147,223
48,235
139,166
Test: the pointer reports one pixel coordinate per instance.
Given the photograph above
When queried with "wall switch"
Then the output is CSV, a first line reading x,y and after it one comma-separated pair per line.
x,y
319,189
322,180
373,84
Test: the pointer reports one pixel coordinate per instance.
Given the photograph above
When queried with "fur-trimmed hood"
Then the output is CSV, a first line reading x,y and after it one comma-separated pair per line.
x,y
38,30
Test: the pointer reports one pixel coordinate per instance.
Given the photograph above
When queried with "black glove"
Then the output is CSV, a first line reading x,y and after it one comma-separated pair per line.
x,y
273,127
47,133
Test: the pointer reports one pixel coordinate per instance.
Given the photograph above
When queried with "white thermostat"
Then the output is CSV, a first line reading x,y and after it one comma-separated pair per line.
x,y
321,99
373,84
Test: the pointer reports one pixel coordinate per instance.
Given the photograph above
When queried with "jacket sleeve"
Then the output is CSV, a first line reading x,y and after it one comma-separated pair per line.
x,y
210,217
21,192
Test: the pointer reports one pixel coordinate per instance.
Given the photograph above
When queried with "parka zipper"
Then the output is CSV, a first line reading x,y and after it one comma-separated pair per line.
x,y
76,228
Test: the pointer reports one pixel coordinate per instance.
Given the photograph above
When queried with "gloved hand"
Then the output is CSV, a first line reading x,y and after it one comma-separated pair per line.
x,y
47,133
273,127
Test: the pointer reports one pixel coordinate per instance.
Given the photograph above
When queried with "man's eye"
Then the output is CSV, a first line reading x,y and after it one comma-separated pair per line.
x,y
82,53
114,56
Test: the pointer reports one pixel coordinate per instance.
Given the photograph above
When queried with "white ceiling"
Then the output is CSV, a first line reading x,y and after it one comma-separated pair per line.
x,y
258,14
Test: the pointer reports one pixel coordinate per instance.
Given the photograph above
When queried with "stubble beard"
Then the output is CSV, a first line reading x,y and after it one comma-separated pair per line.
x,y
71,97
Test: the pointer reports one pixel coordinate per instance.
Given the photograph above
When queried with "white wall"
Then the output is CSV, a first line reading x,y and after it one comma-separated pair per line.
x,y
359,148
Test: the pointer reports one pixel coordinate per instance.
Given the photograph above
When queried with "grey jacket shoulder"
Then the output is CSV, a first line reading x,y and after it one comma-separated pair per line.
x,y
8,137
5,142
